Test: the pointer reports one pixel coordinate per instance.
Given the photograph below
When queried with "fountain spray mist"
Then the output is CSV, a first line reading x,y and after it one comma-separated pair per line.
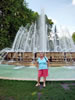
x,y
37,38
42,32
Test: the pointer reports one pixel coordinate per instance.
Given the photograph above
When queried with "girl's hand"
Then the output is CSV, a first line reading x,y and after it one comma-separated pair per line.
x,y
36,64
48,63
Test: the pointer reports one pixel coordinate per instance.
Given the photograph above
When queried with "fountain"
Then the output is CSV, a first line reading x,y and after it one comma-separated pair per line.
x,y
37,38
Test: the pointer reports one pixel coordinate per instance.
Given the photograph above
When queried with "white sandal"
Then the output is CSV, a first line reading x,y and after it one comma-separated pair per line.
x,y
44,85
38,84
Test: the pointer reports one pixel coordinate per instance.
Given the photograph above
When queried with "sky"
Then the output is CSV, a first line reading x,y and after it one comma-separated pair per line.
x,y
62,12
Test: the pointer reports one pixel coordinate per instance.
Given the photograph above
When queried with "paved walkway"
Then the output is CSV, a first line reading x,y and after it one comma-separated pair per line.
x,y
30,73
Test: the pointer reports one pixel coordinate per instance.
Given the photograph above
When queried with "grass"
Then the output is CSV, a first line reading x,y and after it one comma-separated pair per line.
x,y
26,90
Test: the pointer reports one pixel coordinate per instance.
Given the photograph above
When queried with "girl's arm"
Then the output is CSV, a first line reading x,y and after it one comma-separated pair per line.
x,y
48,63
37,64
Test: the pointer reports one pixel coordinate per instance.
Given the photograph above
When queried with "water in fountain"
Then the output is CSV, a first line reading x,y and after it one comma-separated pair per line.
x,y
42,33
37,38
66,42
62,40
32,40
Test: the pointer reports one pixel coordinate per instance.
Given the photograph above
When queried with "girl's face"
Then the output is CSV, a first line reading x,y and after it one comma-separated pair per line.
x,y
41,54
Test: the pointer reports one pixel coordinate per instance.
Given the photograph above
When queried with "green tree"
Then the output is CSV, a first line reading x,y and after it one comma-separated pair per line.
x,y
49,24
13,14
73,36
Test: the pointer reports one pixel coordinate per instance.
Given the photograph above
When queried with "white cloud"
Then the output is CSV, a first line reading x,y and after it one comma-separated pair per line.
x,y
73,2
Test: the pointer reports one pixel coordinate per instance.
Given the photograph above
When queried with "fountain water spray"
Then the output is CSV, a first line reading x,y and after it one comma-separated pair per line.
x,y
37,38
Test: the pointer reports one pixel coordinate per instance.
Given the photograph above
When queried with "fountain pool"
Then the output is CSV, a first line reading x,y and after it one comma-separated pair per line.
x,y
12,72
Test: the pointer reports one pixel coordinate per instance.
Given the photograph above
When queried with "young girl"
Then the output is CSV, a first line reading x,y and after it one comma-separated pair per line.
x,y
42,65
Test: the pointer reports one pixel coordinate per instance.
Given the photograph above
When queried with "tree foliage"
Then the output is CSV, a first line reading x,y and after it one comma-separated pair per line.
x,y
73,37
13,14
49,23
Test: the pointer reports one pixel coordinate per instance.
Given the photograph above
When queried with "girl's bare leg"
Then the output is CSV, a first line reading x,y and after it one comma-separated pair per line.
x,y
44,81
38,82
